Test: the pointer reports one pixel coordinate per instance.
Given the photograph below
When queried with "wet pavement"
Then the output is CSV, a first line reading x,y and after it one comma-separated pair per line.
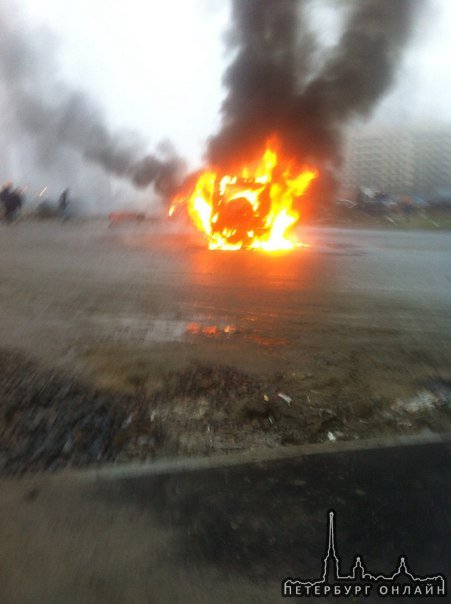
x,y
358,317
228,533
89,297
353,331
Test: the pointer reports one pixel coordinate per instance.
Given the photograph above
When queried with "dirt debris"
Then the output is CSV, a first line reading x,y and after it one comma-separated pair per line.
x,y
49,421
206,409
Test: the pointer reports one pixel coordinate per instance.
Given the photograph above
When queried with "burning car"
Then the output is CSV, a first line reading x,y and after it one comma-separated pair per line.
x,y
255,207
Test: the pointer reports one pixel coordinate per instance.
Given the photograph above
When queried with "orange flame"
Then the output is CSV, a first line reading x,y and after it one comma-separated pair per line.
x,y
253,209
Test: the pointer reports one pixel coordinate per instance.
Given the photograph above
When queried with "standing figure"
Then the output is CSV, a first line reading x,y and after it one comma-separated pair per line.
x,y
7,201
17,201
63,205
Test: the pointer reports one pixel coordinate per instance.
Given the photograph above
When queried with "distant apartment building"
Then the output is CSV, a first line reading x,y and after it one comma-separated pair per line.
x,y
405,161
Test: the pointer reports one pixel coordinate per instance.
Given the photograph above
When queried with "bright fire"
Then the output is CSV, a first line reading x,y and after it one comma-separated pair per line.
x,y
253,209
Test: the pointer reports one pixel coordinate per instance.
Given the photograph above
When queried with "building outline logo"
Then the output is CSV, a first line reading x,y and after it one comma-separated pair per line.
x,y
361,582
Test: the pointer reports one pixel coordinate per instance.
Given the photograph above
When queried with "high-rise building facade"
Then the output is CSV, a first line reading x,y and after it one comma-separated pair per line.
x,y
405,161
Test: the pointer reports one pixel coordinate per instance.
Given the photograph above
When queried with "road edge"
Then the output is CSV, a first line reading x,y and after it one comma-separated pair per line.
x,y
171,465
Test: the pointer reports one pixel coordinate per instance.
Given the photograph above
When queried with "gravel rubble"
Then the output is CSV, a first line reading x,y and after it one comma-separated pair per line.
x,y
49,421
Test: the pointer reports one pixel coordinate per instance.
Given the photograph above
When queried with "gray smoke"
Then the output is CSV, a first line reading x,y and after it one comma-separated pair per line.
x,y
272,88
57,117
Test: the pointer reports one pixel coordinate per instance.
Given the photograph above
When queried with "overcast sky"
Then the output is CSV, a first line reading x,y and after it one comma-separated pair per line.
x,y
156,65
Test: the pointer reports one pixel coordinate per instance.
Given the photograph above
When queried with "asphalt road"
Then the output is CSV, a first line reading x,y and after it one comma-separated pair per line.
x,y
366,305
227,534
365,313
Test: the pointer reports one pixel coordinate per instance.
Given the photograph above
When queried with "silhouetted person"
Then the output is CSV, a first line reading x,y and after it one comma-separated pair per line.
x,y
63,205
17,201
6,197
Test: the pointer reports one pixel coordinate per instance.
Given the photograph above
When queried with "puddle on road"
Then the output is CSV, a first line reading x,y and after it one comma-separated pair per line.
x,y
210,330
230,331
114,328
142,330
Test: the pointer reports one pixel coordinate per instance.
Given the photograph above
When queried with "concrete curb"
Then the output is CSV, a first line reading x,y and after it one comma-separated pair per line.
x,y
174,465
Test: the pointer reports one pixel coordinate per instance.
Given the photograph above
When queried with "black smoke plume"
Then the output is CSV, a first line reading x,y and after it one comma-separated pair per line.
x,y
56,116
272,90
